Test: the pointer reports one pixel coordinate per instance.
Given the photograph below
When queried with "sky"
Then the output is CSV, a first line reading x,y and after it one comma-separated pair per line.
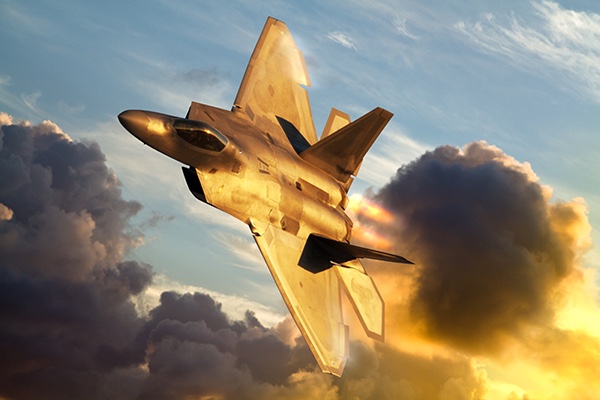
x,y
117,282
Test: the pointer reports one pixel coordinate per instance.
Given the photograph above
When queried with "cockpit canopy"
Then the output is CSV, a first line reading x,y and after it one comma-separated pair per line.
x,y
200,134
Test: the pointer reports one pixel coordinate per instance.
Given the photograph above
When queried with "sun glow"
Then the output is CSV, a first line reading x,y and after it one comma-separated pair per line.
x,y
361,206
370,221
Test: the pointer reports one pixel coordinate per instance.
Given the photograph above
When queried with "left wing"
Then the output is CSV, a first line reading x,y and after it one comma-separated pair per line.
x,y
314,300
271,85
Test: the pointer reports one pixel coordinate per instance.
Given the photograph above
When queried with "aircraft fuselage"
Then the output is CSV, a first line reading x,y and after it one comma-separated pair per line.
x,y
255,176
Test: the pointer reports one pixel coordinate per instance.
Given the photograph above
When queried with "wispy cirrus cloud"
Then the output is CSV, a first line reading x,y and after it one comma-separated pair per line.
x,y
174,88
402,28
342,38
23,103
563,44
394,149
243,248
71,109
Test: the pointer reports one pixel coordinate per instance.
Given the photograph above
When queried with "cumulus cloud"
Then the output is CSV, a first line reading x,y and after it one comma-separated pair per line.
x,y
65,310
495,259
5,213
558,39
69,325
496,262
493,251
234,306
195,350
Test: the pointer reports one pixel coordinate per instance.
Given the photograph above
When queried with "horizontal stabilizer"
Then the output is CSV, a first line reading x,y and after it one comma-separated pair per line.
x,y
341,153
364,297
320,253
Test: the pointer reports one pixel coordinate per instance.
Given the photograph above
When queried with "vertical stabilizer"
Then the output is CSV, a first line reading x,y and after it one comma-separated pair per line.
x,y
336,121
341,153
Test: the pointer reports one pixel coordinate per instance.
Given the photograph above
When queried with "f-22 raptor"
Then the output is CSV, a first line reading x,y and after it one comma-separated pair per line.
x,y
262,163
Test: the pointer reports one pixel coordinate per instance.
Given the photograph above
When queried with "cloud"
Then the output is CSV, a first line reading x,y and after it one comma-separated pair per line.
x,y
65,310
244,249
71,109
25,103
493,251
234,306
401,28
201,77
79,320
342,38
176,88
6,213
24,20
558,41
499,266
68,323
30,99
196,350
393,148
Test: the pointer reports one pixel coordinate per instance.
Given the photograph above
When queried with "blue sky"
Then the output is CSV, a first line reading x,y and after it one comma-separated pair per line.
x,y
523,76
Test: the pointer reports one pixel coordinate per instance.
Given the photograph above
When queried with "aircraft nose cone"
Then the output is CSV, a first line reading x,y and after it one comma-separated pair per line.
x,y
134,121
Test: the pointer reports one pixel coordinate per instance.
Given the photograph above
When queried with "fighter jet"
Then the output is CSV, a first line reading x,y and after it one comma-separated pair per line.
x,y
262,163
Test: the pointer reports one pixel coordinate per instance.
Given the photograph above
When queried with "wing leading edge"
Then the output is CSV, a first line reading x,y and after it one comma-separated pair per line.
x,y
314,300
271,86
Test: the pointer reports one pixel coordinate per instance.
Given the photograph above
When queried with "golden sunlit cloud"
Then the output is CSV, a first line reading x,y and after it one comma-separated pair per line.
x,y
499,306
361,206
500,276
370,221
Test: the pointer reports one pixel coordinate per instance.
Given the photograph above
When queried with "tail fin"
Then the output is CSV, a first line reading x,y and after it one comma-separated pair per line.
x,y
336,121
340,153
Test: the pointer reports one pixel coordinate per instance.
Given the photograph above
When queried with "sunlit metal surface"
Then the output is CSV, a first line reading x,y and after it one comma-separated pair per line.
x,y
261,163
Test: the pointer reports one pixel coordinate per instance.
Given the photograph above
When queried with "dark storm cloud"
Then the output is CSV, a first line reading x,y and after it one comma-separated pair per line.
x,y
66,318
490,247
387,373
194,349
69,328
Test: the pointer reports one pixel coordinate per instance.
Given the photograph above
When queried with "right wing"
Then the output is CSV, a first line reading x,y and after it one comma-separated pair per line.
x,y
314,300
271,85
